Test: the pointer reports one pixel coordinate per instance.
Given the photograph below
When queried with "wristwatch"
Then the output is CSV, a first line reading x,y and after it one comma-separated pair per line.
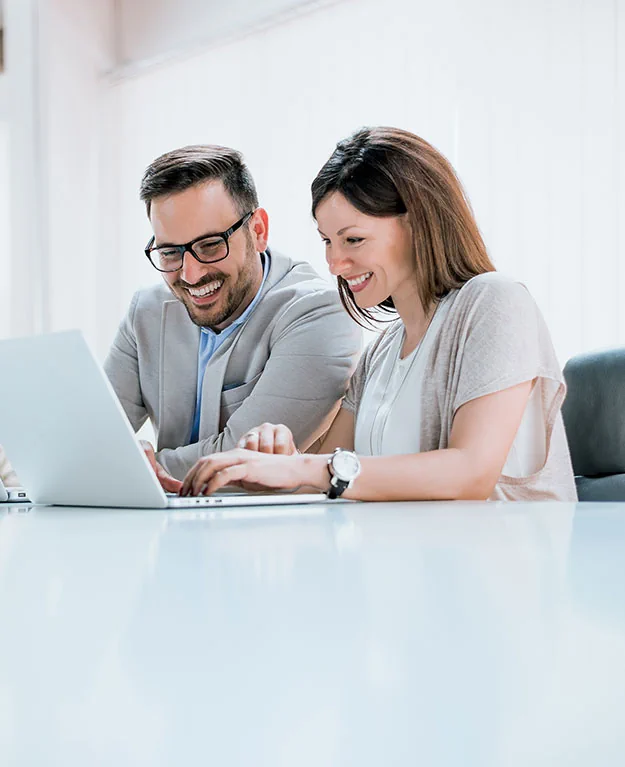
x,y
344,467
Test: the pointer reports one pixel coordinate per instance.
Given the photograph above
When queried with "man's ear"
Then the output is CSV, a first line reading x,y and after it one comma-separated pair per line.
x,y
259,227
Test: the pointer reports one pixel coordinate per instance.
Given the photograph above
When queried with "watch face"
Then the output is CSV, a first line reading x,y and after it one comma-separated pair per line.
x,y
346,465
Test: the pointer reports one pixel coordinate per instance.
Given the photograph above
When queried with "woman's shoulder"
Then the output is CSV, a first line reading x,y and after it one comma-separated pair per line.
x,y
495,293
492,282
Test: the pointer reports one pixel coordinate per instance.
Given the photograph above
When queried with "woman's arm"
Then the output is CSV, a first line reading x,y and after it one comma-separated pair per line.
x,y
482,434
340,434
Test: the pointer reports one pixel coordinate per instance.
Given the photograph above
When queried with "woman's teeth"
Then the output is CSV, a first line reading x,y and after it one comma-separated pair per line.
x,y
359,280
206,290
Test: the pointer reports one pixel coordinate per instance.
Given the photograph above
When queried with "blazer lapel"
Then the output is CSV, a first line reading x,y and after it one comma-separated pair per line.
x,y
212,387
180,340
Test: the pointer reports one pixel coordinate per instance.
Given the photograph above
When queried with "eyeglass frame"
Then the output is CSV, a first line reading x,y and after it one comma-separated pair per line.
x,y
188,246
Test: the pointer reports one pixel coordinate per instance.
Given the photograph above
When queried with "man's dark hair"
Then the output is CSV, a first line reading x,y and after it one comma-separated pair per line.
x,y
183,168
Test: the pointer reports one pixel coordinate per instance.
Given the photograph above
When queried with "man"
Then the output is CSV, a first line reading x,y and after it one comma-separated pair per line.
x,y
8,477
237,335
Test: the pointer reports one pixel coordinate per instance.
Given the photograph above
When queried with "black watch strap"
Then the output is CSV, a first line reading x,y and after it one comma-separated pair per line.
x,y
337,488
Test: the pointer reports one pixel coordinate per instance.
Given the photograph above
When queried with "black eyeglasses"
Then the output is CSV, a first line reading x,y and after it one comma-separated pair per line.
x,y
206,249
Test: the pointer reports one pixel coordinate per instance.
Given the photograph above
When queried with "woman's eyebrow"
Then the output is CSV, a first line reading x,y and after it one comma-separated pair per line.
x,y
340,231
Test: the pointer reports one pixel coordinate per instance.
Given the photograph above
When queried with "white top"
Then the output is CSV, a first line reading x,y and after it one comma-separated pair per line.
x,y
389,417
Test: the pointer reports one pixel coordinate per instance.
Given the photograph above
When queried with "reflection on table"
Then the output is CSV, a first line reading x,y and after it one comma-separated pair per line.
x,y
364,634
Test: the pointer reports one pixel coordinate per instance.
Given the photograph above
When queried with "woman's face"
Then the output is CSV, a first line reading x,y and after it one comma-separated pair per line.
x,y
373,255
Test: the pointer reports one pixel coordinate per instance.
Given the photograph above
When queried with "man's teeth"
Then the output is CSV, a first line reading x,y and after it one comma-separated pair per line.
x,y
206,290
359,280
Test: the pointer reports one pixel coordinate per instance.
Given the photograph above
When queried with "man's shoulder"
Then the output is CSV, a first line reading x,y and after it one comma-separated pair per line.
x,y
153,295
290,281
147,303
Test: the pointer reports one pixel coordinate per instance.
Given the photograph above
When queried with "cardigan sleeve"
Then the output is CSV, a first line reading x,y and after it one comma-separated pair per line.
x,y
503,341
356,386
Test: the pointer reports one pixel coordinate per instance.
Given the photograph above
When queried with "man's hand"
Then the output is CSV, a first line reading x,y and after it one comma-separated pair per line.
x,y
269,438
168,483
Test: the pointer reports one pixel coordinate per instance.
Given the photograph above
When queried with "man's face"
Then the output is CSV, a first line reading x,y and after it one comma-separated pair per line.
x,y
213,294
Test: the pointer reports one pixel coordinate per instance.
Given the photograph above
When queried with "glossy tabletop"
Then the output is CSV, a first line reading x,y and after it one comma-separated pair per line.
x,y
360,634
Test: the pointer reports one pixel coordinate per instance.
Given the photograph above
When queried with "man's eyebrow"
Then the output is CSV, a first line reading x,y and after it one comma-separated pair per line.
x,y
340,231
180,244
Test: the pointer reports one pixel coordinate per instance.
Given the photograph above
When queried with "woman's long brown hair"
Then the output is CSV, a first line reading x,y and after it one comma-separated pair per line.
x,y
389,172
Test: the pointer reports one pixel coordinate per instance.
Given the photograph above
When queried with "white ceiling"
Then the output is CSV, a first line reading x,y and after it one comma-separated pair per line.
x,y
149,30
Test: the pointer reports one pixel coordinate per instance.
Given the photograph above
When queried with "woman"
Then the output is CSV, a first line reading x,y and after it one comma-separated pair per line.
x,y
459,398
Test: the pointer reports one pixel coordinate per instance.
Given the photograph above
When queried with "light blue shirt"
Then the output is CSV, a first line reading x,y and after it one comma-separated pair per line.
x,y
211,341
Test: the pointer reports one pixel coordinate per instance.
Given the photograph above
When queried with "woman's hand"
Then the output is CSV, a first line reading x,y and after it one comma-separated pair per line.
x,y
252,469
269,438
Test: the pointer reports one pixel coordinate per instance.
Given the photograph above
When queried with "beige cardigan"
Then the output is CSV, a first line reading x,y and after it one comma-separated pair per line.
x,y
493,337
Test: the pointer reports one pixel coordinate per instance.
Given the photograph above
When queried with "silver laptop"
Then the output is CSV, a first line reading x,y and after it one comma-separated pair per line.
x,y
68,437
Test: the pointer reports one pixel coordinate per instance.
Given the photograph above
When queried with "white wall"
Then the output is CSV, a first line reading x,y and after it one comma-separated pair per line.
x,y
5,208
525,98
78,158
5,228
61,201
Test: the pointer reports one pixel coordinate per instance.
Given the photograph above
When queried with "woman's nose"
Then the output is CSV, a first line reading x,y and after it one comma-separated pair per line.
x,y
337,262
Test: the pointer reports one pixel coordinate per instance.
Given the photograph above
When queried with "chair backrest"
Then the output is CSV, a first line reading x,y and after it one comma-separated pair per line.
x,y
594,418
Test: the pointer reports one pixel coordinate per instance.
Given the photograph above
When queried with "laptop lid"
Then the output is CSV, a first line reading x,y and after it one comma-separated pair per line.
x,y
70,441
64,430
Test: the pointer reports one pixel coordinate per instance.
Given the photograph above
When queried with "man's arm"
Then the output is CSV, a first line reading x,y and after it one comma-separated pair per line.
x,y
122,368
314,350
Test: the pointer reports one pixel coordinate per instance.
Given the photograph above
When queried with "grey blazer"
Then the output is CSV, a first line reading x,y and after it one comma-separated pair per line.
x,y
289,363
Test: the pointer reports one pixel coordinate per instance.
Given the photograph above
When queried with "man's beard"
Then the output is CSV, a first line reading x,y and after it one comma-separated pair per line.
x,y
235,294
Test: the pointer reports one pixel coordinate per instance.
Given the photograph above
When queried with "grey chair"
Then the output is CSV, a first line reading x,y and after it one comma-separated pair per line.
x,y
594,418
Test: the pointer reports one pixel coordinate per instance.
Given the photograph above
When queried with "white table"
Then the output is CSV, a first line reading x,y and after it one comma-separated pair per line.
x,y
373,634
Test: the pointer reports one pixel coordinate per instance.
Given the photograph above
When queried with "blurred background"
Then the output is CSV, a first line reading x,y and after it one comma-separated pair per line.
x,y
525,97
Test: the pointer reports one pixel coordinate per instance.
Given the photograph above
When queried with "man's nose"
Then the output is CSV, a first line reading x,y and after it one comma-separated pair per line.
x,y
192,270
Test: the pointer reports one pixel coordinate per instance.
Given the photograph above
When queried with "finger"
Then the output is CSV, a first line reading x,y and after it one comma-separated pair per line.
x,y
228,476
187,482
249,441
168,483
266,438
283,442
206,467
149,452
